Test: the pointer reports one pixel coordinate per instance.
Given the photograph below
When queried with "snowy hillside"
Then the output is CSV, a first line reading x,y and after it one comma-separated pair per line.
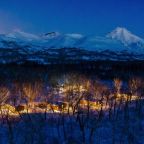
x,y
120,44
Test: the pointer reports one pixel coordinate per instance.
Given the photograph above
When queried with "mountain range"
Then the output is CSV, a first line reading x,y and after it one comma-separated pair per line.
x,y
53,47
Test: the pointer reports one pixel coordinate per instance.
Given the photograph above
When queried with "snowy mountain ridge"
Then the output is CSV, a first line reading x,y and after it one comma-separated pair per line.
x,y
119,34
17,34
20,46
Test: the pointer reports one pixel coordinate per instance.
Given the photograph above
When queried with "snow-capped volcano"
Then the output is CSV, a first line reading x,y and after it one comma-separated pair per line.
x,y
120,44
125,36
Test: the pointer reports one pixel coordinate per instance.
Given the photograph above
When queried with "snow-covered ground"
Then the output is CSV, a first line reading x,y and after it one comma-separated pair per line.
x,y
102,125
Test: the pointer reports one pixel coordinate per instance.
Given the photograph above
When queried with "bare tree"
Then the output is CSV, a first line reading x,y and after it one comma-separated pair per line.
x,y
32,90
137,89
4,94
136,86
117,85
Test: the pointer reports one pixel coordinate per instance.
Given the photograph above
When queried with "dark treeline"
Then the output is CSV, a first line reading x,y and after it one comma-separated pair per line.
x,y
102,69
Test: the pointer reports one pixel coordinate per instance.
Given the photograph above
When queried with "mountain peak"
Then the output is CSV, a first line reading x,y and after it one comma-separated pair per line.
x,y
51,34
125,36
122,29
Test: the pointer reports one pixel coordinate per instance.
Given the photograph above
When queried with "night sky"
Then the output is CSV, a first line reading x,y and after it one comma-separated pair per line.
x,y
72,16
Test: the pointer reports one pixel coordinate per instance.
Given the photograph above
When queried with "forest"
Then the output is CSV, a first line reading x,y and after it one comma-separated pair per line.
x,y
39,105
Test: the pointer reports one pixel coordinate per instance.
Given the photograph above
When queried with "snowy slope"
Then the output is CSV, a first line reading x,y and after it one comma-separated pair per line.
x,y
17,34
120,44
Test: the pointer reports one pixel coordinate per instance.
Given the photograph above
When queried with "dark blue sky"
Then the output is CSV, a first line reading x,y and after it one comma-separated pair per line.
x,y
67,16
